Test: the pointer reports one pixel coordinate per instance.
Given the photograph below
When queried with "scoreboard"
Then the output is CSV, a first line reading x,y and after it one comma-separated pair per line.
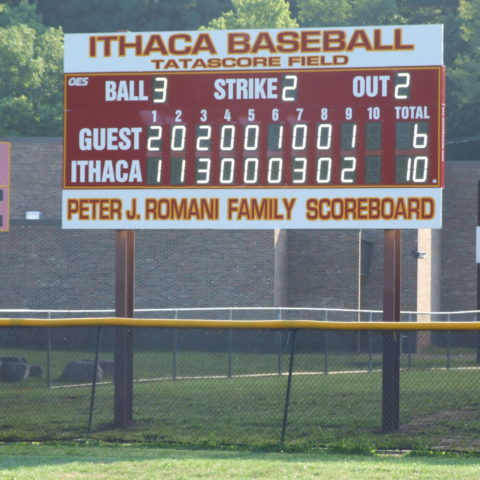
x,y
340,128
258,130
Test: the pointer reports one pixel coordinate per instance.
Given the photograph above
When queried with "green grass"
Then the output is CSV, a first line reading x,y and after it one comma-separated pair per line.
x,y
148,364
74,462
439,408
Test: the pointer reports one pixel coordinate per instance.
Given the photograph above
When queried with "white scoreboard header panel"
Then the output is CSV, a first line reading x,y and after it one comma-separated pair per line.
x,y
348,47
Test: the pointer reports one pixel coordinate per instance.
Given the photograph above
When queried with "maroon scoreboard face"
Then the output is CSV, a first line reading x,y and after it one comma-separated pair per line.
x,y
375,127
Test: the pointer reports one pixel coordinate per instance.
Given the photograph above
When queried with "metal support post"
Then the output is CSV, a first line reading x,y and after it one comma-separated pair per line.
x,y
391,340
124,288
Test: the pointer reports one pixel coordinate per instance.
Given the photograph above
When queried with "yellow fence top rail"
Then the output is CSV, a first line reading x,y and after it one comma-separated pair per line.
x,y
236,324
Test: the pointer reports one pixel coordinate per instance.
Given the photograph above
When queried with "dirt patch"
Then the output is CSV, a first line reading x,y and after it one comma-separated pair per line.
x,y
446,429
425,423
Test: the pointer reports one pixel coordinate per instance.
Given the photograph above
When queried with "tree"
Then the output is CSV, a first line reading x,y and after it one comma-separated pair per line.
x,y
14,13
255,14
134,15
464,76
374,12
416,12
323,13
426,11
30,75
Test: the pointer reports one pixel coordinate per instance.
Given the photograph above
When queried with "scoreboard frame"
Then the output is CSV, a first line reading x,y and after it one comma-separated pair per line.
x,y
257,136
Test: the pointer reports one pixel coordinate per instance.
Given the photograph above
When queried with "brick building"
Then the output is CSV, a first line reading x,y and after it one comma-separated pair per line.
x,y
44,266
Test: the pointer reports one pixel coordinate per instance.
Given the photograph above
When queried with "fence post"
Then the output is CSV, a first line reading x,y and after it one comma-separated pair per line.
x,y
94,379
409,343
369,333
174,349
49,353
289,387
477,336
230,346
325,347
280,338
448,344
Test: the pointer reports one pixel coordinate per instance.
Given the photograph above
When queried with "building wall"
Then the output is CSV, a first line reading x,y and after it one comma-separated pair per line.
x,y
44,266
458,268
36,176
372,284
323,268
204,268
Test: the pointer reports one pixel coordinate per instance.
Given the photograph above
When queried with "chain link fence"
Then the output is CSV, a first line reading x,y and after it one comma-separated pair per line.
x,y
254,387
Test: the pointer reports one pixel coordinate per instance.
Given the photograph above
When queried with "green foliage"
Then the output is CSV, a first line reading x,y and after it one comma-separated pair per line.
x,y
255,14
30,80
464,87
316,13
426,11
22,13
320,13
133,15
469,12
183,14
374,12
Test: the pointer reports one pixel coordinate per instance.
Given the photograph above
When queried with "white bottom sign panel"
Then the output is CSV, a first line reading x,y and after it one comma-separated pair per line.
x,y
380,208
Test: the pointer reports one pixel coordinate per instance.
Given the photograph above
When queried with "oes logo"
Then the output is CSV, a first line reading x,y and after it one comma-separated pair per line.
x,y
78,81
